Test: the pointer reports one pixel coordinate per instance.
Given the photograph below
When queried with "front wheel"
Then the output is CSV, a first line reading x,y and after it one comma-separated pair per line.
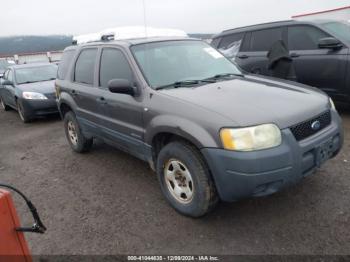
x,y
185,179
22,113
3,105
75,137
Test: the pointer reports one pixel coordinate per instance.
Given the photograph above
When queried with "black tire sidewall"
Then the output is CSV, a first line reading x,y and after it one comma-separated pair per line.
x,y
200,203
5,107
21,111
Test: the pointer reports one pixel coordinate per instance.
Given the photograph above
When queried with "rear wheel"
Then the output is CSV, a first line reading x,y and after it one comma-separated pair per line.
x,y
75,137
185,179
22,113
3,105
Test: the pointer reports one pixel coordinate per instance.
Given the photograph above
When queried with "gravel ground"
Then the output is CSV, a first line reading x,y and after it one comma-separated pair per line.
x,y
107,202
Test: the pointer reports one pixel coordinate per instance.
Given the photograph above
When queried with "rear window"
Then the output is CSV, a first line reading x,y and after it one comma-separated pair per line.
x,y
85,66
67,58
262,40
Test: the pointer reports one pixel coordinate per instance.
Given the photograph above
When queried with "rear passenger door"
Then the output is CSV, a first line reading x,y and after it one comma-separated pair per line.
x,y
122,121
322,68
253,54
85,92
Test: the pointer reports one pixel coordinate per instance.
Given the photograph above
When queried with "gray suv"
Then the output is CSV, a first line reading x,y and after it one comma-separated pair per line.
x,y
208,130
319,50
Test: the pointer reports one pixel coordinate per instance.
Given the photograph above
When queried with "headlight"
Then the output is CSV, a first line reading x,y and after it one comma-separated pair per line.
x,y
332,104
251,138
33,96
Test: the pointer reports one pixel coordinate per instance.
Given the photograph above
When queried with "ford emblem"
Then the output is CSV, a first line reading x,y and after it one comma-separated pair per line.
x,y
316,125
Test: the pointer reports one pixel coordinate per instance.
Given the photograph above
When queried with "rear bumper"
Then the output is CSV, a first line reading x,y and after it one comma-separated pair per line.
x,y
35,108
240,175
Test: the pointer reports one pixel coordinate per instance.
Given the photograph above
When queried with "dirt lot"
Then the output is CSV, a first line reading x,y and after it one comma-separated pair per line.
x,y
107,202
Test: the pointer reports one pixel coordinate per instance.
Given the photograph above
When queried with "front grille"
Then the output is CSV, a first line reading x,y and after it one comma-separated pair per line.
x,y
304,130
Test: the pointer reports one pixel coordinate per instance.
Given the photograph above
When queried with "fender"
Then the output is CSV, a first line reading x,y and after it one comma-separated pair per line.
x,y
185,128
68,100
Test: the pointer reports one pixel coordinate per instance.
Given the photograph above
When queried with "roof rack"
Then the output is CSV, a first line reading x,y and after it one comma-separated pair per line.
x,y
127,32
268,23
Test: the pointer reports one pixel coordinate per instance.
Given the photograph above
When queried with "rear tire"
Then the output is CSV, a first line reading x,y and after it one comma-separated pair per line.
x,y
22,113
185,179
75,137
3,105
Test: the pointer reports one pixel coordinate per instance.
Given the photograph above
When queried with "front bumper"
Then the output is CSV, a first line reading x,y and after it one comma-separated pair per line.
x,y
240,175
36,108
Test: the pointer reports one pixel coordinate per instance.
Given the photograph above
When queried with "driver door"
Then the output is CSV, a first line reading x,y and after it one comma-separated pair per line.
x,y
322,68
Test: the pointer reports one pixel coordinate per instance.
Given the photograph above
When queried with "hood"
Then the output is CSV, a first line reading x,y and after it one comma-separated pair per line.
x,y
255,100
45,87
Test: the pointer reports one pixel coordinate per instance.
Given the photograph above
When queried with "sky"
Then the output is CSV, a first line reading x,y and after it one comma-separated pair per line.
x,y
74,17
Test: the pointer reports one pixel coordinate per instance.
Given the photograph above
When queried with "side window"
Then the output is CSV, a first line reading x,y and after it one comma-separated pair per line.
x,y
85,66
304,37
10,76
215,42
6,74
231,44
262,40
63,67
230,40
114,65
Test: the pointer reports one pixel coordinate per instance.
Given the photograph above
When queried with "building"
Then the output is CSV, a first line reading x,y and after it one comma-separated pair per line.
x,y
25,58
342,13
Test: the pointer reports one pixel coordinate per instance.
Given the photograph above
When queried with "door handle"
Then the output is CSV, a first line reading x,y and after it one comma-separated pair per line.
x,y
243,56
293,55
102,100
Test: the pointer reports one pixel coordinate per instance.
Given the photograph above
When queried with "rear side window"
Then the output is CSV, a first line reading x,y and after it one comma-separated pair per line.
x,y
231,44
215,42
64,64
230,40
114,65
262,40
304,37
85,66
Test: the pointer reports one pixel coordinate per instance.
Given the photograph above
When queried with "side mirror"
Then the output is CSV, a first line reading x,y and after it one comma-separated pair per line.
x,y
330,43
121,86
7,83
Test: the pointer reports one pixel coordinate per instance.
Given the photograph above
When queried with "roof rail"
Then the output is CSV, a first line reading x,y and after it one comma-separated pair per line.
x,y
128,32
248,26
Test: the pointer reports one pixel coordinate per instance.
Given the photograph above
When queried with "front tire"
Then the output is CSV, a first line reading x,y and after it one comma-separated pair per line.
x,y
75,137
185,179
22,113
3,105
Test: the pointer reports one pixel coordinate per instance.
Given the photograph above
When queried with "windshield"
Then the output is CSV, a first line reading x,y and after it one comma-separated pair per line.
x,y
165,63
36,74
339,29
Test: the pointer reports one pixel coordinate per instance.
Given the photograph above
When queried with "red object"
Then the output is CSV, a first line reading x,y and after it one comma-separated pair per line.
x,y
13,246
322,12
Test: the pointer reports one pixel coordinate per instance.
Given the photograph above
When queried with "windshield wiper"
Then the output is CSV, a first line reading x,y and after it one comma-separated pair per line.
x,y
222,76
186,83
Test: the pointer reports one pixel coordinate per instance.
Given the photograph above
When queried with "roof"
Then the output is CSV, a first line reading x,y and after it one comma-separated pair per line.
x,y
266,25
322,12
31,65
